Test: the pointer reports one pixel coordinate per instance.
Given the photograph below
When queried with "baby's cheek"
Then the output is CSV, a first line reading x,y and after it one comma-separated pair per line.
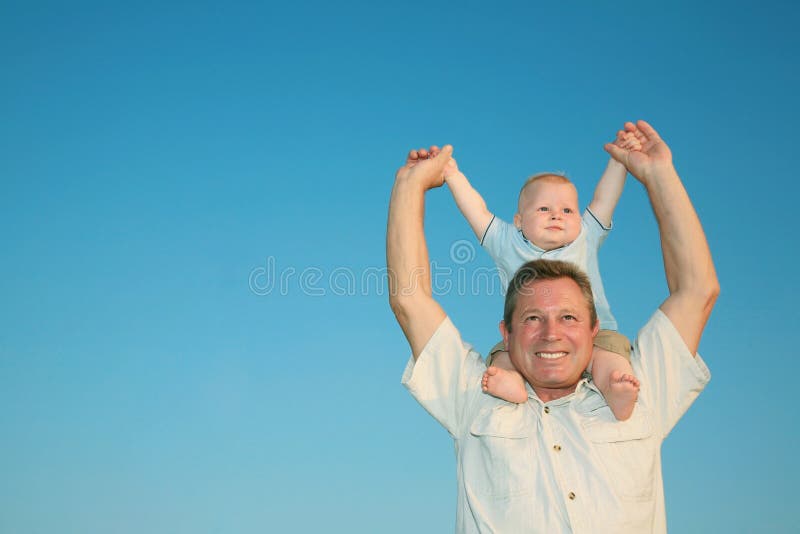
x,y
574,230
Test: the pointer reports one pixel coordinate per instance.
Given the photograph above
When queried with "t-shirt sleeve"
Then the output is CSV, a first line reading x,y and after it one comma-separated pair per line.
x,y
494,238
671,376
596,233
498,241
445,379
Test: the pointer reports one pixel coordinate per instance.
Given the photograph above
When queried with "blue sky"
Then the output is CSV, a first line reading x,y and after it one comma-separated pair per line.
x,y
162,163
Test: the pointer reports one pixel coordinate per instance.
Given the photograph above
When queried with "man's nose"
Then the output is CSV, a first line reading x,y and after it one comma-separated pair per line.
x,y
551,330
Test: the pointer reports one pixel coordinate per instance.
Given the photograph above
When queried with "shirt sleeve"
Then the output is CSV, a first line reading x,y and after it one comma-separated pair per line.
x,y
498,241
672,377
596,233
446,377
494,238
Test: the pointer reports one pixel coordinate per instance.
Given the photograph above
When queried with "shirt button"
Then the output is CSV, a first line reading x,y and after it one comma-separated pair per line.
x,y
556,448
571,496
547,409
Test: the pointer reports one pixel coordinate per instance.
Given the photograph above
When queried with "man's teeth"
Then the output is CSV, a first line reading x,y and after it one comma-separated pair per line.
x,y
551,355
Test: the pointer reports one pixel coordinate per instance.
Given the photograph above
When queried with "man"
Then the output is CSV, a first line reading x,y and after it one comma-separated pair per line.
x,y
560,462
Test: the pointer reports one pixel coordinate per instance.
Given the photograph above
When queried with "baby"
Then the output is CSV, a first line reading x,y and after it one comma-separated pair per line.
x,y
547,225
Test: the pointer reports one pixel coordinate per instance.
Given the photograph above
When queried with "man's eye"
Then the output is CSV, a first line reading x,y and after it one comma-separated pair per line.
x,y
532,318
569,317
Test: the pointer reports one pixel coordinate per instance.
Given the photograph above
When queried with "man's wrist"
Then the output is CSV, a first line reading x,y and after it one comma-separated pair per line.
x,y
416,183
659,175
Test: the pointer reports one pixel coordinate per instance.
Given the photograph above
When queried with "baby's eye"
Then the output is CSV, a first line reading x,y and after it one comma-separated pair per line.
x,y
567,210
544,208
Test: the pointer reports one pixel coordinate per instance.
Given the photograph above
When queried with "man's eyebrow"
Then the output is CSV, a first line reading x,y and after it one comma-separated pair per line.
x,y
573,310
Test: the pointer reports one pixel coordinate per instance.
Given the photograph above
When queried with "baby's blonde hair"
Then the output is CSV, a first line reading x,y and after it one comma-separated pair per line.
x,y
547,177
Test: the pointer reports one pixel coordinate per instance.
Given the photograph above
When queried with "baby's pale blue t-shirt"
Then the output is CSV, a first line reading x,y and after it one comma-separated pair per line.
x,y
509,250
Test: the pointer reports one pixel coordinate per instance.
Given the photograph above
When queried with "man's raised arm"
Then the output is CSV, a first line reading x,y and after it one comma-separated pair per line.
x,y
406,250
692,280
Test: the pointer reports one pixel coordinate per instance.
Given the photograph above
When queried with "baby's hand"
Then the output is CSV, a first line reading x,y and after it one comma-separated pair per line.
x,y
628,141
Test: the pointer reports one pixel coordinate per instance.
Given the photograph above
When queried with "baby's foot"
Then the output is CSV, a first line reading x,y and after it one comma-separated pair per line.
x,y
506,385
623,389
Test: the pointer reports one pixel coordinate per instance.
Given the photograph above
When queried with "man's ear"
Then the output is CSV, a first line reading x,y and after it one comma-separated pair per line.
x,y
504,333
518,221
596,328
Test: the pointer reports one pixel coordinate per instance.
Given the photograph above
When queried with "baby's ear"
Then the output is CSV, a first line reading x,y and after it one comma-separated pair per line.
x,y
518,221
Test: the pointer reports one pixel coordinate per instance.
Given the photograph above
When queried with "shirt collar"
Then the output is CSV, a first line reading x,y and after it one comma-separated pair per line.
x,y
537,249
584,386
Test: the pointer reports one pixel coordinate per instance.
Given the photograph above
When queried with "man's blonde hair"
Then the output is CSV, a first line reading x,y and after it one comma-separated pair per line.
x,y
546,270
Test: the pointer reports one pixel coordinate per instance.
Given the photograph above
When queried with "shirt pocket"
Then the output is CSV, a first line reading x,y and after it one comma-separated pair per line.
x,y
627,451
499,461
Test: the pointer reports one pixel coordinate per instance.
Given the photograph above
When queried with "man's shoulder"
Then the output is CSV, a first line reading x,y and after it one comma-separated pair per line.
x,y
444,349
446,378
658,329
671,375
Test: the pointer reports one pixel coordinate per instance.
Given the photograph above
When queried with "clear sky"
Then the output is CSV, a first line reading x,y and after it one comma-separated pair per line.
x,y
193,337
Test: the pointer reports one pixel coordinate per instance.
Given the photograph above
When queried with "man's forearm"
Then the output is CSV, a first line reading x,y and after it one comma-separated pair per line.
x,y
687,258
689,268
406,251
692,281
407,262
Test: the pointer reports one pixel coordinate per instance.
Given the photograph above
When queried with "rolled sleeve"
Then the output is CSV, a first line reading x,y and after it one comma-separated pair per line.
x,y
445,379
672,377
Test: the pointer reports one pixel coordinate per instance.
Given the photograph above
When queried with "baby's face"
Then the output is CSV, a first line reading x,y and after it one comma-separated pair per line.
x,y
548,214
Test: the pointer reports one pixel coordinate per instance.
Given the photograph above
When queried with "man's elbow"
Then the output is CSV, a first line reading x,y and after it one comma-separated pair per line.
x,y
711,294
704,295
399,307
404,308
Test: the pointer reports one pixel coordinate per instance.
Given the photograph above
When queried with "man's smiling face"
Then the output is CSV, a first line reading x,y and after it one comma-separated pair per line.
x,y
551,335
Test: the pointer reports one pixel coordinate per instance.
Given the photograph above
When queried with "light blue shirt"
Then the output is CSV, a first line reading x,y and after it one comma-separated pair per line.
x,y
510,250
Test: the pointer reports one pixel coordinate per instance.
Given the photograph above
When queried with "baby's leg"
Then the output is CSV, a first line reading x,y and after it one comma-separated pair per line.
x,y
503,381
614,378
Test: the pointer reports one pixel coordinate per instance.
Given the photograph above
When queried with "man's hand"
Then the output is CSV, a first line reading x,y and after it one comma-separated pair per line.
x,y
653,154
425,167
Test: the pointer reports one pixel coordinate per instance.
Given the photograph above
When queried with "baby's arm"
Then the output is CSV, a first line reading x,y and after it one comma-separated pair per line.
x,y
609,188
468,200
